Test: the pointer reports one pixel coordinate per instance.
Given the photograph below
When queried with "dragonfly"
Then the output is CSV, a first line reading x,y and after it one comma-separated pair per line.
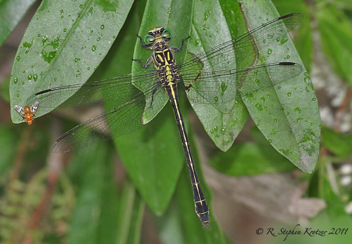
x,y
205,73
28,112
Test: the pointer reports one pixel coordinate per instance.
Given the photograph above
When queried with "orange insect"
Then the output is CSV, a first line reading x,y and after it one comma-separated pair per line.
x,y
28,112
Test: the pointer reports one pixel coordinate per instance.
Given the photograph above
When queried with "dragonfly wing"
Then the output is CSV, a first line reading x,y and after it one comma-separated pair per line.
x,y
114,90
242,47
266,76
205,72
248,80
120,120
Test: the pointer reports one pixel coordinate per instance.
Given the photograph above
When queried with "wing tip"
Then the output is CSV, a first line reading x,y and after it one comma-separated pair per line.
x,y
291,15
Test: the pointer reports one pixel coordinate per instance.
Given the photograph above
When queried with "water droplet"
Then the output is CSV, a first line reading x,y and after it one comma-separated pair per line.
x,y
262,99
81,6
18,58
298,109
88,68
27,45
94,48
65,30
216,99
283,39
269,51
91,31
223,88
275,120
99,38
206,15
289,94
15,80
270,141
311,124
223,131
77,59
102,27
314,99
29,77
90,11
62,11
259,107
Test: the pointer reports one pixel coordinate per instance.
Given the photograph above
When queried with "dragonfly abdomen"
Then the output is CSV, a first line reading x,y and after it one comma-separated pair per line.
x,y
200,203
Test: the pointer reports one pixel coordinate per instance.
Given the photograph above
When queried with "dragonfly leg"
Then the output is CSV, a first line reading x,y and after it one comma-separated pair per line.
x,y
183,41
149,61
153,93
148,46
176,49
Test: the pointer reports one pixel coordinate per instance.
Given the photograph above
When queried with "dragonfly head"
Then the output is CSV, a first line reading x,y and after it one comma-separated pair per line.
x,y
157,36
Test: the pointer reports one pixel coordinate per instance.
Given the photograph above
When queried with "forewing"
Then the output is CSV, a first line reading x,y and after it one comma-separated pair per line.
x,y
115,90
206,72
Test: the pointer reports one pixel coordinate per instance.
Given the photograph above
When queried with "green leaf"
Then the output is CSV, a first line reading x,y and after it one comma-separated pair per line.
x,y
85,218
222,127
11,12
64,43
9,138
100,215
130,215
336,37
174,16
109,202
251,159
287,114
338,143
156,160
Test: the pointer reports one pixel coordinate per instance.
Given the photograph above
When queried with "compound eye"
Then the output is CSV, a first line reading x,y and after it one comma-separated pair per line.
x,y
148,39
166,34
